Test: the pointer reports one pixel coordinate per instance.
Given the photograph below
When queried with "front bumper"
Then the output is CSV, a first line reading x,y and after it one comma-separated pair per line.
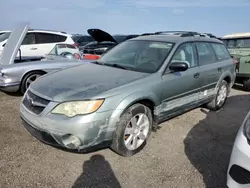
x,y
238,175
10,87
55,130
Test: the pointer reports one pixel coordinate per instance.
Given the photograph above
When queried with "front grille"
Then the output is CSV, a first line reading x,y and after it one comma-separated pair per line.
x,y
239,174
35,103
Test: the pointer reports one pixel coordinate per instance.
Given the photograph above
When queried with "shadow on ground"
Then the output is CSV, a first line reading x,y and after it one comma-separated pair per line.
x,y
208,144
97,172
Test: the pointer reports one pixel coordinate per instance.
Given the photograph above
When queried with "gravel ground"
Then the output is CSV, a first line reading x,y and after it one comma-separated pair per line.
x,y
191,150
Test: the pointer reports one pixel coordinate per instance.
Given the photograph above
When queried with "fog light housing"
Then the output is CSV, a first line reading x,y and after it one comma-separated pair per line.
x,y
72,142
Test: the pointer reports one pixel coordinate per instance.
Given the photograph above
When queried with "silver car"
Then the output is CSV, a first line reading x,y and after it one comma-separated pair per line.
x,y
238,174
124,94
16,74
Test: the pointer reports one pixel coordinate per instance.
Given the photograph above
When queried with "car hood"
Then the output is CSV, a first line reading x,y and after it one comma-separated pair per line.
x,y
13,44
100,35
83,82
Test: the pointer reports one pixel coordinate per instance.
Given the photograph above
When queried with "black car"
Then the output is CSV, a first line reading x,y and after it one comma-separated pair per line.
x,y
81,40
103,41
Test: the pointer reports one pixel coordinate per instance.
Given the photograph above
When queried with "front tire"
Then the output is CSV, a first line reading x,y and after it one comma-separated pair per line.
x,y
133,130
246,85
220,98
28,79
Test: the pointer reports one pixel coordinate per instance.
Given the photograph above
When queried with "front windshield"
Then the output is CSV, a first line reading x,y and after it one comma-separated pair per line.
x,y
137,55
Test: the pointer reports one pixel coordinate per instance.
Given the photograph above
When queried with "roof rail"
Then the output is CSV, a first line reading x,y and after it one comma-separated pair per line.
x,y
48,30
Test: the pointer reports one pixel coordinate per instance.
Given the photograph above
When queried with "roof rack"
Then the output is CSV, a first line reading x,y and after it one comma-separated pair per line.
x,y
185,33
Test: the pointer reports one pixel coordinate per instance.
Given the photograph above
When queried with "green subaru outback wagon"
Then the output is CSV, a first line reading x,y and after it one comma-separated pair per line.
x,y
119,98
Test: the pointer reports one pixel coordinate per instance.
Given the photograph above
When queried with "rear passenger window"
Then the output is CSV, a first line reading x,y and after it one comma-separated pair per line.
x,y
29,39
43,38
205,53
220,51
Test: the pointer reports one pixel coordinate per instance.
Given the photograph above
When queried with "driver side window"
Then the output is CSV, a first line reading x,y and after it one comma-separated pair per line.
x,y
185,53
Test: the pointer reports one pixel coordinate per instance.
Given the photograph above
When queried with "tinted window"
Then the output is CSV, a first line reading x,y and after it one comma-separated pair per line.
x,y
4,36
205,53
185,53
42,38
221,51
141,56
29,39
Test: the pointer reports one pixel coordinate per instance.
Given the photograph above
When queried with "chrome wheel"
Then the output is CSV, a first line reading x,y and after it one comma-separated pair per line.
x,y
136,131
31,79
222,95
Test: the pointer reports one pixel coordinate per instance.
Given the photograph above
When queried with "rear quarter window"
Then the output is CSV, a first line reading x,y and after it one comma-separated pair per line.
x,y
220,51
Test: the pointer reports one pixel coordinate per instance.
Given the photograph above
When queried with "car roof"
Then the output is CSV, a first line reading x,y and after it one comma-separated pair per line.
x,y
175,38
236,35
50,31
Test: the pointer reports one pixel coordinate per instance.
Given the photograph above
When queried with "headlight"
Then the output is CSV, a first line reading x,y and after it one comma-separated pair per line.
x,y
246,127
74,108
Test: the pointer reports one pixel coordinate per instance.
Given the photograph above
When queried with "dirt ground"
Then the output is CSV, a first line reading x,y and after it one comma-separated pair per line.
x,y
191,150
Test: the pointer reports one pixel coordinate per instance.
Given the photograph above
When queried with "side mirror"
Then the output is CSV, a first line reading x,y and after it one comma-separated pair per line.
x,y
178,66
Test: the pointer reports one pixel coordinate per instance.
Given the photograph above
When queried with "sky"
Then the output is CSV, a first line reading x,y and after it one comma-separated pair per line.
x,y
128,16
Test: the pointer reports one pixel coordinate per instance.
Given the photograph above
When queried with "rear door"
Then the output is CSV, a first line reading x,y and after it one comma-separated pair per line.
x,y
181,89
210,67
40,44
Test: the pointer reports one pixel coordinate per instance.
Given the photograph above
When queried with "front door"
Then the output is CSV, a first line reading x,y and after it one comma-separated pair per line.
x,y
181,89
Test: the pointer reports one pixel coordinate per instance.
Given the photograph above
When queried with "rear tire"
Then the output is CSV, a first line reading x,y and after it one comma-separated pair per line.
x,y
246,85
220,98
130,139
28,79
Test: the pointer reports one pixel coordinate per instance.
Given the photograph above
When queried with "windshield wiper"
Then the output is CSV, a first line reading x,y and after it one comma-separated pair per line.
x,y
112,65
117,66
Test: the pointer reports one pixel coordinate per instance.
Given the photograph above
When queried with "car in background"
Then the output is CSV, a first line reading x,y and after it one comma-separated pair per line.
x,y
238,44
238,174
38,42
17,73
103,41
120,97
81,40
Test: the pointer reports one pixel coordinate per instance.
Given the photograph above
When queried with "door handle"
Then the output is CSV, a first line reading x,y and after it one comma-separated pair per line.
x,y
196,75
33,48
219,69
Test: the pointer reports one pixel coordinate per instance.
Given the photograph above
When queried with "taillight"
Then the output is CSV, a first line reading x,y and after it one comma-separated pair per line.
x,y
235,60
76,45
77,56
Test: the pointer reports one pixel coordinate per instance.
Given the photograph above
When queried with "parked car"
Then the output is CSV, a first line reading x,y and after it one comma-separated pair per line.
x,y
103,41
238,45
63,51
17,73
238,174
81,40
38,42
134,86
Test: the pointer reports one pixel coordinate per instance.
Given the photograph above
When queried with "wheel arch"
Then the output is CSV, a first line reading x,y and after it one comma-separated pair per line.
x,y
150,100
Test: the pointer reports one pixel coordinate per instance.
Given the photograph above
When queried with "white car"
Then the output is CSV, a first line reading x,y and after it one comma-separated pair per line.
x,y
38,42
238,174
